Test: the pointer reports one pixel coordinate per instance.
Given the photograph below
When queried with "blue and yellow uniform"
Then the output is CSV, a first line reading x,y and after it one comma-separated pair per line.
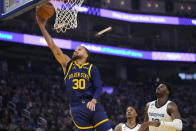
x,y
83,83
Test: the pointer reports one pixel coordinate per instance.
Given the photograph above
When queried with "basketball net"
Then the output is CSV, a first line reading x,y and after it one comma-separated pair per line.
x,y
66,14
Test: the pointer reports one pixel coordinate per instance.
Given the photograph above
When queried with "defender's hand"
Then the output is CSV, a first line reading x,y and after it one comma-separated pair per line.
x,y
155,123
41,21
91,104
145,125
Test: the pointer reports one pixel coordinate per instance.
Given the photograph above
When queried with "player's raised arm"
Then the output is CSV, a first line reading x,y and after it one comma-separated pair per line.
x,y
61,58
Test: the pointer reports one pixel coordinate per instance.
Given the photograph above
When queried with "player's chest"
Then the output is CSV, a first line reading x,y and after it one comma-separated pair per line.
x,y
79,73
82,69
156,112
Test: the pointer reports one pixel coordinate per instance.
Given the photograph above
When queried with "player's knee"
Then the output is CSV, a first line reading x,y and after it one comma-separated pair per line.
x,y
110,129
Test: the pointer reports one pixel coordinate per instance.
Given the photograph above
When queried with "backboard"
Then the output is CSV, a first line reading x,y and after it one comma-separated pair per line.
x,y
12,8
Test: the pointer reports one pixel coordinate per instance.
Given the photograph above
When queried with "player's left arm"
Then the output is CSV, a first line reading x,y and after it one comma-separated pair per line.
x,y
176,122
97,84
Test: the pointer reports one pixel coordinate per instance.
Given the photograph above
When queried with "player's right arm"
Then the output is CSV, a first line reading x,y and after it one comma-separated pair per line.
x,y
145,125
118,127
60,57
146,113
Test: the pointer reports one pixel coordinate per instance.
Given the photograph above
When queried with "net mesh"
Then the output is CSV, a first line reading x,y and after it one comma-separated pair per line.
x,y
66,14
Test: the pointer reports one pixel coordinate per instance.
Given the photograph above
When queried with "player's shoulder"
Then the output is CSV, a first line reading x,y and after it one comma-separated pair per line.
x,y
171,105
138,126
91,64
69,62
119,127
120,124
68,65
150,103
93,67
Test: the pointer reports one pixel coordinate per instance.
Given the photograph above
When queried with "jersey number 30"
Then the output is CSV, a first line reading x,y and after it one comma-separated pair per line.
x,y
79,84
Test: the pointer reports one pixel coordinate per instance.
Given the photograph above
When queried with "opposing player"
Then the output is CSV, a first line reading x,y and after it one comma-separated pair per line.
x,y
131,124
162,114
83,85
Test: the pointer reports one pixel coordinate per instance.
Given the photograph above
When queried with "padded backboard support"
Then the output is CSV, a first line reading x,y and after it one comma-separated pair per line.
x,y
12,8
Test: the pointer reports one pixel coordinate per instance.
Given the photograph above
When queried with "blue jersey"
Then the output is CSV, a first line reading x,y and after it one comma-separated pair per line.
x,y
82,82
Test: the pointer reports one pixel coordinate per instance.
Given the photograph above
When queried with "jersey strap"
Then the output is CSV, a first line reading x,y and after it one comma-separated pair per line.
x,y
80,66
68,70
89,70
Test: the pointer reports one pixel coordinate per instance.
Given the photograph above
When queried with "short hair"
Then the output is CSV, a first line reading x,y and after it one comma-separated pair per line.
x,y
137,119
168,87
87,51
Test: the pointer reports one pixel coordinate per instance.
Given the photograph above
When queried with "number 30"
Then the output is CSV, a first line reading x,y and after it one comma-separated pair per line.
x,y
79,84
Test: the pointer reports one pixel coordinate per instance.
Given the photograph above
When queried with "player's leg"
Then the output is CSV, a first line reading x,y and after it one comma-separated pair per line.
x,y
82,118
100,120
106,126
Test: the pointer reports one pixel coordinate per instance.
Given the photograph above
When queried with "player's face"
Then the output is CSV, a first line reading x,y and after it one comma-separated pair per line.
x,y
79,53
161,90
131,112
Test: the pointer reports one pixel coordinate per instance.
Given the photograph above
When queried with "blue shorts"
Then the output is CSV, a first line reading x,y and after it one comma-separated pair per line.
x,y
87,120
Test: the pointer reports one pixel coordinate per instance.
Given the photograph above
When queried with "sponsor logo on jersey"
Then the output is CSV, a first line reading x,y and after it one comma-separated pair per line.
x,y
74,68
156,114
79,75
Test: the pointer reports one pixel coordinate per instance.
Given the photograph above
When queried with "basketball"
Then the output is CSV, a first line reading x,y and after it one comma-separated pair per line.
x,y
46,10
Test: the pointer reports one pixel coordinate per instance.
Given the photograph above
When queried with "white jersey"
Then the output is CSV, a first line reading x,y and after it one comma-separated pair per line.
x,y
159,114
126,128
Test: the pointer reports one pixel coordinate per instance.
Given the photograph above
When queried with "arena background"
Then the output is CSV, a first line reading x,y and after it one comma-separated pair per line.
x,y
32,90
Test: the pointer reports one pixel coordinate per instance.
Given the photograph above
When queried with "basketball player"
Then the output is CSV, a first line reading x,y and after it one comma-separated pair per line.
x,y
162,114
131,124
83,85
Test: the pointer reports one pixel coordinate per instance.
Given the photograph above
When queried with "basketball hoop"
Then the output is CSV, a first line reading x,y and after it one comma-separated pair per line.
x,y
66,14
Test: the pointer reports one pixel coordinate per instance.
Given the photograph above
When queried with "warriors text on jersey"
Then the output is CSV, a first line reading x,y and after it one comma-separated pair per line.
x,y
126,128
159,114
82,82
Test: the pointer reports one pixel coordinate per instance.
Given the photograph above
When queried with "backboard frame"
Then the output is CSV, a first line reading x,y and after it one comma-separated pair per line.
x,y
19,10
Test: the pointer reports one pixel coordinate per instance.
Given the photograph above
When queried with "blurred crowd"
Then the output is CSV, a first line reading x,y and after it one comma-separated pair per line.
x,y
37,101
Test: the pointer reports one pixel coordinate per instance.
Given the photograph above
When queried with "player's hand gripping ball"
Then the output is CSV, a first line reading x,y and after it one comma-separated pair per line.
x,y
45,11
